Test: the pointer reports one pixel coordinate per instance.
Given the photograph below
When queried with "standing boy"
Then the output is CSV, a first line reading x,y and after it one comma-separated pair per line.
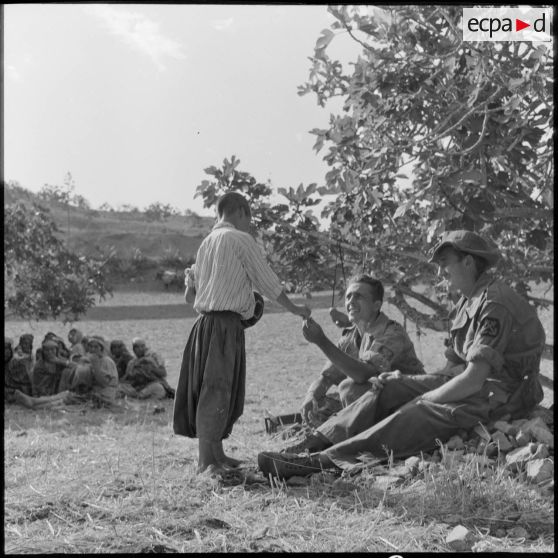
x,y
210,393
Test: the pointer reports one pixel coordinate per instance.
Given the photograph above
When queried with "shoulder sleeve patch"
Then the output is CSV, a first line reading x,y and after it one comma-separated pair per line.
x,y
490,327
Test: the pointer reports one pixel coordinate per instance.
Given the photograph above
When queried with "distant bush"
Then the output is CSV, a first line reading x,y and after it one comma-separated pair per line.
x,y
172,259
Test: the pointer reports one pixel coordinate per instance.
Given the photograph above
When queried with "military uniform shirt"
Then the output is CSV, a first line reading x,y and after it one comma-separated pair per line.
x,y
385,345
498,326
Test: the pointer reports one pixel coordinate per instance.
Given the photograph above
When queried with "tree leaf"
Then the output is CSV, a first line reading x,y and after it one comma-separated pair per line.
x,y
325,39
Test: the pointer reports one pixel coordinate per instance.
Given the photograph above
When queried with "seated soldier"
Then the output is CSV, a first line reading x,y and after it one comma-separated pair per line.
x,y
145,374
369,337
15,373
121,356
48,369
492,370
95,379
24,352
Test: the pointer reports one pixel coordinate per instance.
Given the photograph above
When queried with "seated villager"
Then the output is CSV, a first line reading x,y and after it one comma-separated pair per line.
x,y
145,374
492,369
63,351
15,373
95,379
77,349
24,352
48,369
371,340
121,356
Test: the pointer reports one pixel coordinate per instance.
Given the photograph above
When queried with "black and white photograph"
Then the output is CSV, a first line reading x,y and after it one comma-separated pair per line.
x,y
278,278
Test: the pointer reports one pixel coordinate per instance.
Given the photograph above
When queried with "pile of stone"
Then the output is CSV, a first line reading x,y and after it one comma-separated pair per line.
x,y
526,446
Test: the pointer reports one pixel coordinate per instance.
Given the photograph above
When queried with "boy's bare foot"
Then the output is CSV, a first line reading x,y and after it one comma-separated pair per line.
x,y
213,469
231,462
221,457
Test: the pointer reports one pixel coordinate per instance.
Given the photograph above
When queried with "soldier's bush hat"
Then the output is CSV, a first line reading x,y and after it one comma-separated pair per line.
x,y
258,311
468,242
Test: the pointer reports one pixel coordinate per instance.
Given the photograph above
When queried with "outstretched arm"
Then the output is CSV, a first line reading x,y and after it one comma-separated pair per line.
x,y
355,369
298,309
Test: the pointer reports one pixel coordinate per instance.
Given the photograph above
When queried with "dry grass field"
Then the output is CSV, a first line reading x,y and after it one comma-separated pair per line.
x,y
83,480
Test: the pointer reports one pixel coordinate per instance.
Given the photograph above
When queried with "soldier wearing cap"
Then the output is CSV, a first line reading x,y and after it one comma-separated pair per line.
x,y
492,369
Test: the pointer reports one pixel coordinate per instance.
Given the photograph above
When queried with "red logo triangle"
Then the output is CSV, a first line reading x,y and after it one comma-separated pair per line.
x,y
519,25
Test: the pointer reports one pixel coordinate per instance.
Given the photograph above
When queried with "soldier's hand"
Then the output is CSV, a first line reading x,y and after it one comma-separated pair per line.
x,y
309,408
389,376
312,331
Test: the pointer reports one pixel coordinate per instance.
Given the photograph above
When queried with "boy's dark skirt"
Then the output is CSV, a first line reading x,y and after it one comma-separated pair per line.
x,y
210,394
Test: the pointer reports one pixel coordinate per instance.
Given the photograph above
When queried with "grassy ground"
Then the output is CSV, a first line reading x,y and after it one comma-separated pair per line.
x,y
87,480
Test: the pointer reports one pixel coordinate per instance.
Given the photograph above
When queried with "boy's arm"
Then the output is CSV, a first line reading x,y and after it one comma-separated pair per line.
x,y
190,292
298,309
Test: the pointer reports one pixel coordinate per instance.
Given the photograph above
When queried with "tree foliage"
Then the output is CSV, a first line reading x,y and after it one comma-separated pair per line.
x,y
471,120
283,229
42,278
435,134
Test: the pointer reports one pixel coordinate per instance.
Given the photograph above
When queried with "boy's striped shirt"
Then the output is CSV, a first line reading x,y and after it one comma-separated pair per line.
x,y
229,267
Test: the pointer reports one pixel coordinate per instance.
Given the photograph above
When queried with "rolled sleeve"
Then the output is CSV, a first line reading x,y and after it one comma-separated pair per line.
x,y
488,354
492,336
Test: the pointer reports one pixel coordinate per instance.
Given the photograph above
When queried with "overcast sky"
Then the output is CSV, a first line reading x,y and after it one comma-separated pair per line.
x,y
136,100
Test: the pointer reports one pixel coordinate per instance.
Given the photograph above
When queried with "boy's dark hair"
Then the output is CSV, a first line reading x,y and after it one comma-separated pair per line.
x,y
376,287
230,202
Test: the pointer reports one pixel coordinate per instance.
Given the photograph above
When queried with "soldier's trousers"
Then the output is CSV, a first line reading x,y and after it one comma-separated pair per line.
x,y
396,420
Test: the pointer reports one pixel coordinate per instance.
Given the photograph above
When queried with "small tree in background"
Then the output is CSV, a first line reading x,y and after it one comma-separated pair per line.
x,y
43,279
284,229
160,212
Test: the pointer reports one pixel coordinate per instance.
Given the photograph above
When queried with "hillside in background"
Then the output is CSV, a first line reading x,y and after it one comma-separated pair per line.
x,y
90,231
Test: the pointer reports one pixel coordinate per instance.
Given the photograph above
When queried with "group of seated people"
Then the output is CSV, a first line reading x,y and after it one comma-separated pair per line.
x,y
89,369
